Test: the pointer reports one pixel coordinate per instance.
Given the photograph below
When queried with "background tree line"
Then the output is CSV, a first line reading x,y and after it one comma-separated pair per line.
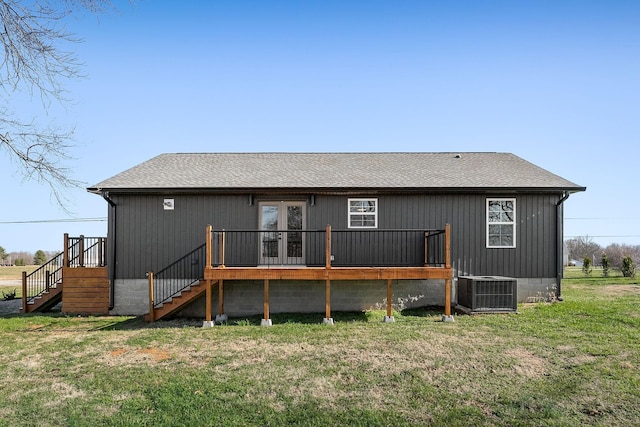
x,y
39,257
619,256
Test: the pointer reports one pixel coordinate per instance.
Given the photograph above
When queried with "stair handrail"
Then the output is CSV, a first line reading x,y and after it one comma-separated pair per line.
x,y
42,279
177,276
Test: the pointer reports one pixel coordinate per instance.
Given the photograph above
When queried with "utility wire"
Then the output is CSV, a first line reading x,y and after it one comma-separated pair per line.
x,y
49,221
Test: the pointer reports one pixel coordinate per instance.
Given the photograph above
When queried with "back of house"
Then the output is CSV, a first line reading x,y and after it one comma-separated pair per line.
x,y
505,217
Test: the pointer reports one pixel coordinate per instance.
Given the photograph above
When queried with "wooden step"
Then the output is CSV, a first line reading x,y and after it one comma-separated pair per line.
x,y
178,302
45,301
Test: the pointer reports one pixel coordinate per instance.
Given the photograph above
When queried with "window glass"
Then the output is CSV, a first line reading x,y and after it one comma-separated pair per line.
x,y
501,223
363,213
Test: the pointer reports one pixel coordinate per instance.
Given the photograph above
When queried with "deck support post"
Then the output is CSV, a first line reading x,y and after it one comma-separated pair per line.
x,y
328,320
151,297
389,318
447,317
208,294
221,317
24,292
266,321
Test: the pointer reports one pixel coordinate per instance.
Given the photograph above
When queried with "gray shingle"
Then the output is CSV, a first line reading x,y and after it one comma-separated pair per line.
x,y
335,170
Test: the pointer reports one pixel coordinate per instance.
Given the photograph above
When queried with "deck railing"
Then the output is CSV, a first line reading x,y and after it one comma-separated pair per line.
x,y
339,248
85,251
175,278
42,280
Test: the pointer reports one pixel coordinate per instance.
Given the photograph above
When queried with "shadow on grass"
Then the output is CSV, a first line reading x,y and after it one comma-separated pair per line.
x,y
276,319
122,323
426,311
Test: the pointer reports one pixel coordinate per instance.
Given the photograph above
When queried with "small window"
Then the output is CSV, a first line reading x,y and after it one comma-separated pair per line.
x,y
363,213
501,223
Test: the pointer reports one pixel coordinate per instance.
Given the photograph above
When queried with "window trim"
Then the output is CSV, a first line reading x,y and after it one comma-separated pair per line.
x,y
512,223
351,214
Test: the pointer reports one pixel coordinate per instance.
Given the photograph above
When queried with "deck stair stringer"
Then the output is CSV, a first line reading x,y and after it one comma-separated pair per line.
x,y
178,302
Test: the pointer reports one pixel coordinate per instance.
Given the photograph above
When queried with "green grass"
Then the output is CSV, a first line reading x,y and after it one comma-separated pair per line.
x,y
572,363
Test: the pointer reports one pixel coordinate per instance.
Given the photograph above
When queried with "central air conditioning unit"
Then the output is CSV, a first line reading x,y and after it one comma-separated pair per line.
x,y
487,294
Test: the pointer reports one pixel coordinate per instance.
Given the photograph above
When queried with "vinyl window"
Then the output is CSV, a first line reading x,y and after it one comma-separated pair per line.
x,y
363,213
501,223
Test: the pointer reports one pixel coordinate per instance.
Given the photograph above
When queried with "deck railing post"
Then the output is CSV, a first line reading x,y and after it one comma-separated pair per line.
x,y
209,252
24,292
222,238
81,251
151,297
65,260
328,247
447,246
100,252
426,248
47,280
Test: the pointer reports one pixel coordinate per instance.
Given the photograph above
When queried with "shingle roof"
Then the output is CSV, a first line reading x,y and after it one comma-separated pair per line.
x,y
339,171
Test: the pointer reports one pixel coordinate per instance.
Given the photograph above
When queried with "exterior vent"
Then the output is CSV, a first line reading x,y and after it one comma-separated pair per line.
x,y
488,294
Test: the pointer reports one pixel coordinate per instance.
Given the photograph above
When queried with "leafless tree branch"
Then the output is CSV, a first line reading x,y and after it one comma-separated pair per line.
x,y
36,60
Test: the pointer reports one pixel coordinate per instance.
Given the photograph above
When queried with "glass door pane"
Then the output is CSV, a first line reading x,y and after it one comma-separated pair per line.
x,y
294,239
270,236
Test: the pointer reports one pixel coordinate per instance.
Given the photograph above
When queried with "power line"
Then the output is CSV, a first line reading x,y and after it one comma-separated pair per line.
x,y
628,235
49,221
603,218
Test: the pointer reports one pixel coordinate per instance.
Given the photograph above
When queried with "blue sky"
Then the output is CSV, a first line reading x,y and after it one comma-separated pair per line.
x,y
556,83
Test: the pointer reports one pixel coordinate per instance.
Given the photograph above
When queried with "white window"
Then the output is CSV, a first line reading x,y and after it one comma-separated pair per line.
x,y
363,213
501,223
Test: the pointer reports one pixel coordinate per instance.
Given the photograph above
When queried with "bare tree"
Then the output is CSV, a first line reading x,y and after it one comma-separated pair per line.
x,y
37,62
582,247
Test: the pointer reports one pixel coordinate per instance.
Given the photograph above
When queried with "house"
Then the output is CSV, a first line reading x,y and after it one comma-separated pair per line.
x,y
300,232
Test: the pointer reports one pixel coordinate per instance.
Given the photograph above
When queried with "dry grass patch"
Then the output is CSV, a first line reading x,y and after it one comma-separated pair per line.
x,y
526,363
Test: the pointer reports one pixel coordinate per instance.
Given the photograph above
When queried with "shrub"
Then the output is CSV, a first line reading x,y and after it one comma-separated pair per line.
x,y
587,268
628,268
605,264
8,296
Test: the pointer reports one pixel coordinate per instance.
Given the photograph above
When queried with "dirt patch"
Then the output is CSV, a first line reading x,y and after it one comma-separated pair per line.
x,y
527,364
155,354
621,290
123,356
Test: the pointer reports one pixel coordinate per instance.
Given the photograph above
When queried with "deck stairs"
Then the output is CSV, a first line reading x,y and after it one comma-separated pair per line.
x,y
46,300
43,286
83,261
178,302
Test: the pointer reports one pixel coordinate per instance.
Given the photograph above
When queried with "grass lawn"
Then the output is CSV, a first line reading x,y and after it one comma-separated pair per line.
x,y
572,363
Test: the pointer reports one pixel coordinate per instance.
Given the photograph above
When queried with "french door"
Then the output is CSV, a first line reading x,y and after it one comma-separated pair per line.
x,y
281,236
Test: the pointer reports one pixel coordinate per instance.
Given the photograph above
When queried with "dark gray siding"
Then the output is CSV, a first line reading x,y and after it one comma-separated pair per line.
x,y
149,238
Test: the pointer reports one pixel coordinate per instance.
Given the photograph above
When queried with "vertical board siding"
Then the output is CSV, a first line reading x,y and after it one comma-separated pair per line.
x,y
149,238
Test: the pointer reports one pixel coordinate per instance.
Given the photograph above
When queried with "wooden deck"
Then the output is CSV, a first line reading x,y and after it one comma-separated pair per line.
x,y
218,274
